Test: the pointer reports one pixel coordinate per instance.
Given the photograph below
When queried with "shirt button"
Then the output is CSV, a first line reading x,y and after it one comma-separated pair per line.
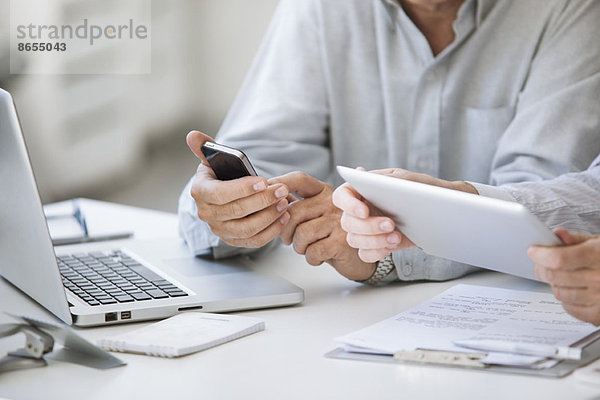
x,y
407,269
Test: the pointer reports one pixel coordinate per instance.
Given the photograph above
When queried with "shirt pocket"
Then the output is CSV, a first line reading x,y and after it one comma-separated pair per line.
x,y
482,129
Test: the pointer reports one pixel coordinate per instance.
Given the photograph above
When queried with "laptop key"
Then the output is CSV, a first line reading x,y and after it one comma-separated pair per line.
x,y
178,293
168,287
146,273
146,286
124,298
140,296
157,294
107,301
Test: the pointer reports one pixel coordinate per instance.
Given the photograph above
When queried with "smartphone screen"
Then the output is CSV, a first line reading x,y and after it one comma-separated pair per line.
x,y
227,163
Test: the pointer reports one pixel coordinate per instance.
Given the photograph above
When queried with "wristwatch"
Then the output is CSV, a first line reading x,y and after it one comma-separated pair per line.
x,y
384,267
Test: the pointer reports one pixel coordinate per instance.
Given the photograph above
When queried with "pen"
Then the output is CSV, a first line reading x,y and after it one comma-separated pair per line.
x,y
542,350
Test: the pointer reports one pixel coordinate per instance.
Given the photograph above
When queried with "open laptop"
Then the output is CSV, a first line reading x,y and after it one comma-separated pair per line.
x,y
477,230
107,285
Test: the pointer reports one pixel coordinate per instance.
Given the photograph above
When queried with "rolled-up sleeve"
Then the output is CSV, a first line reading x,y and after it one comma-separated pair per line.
x,y
571,201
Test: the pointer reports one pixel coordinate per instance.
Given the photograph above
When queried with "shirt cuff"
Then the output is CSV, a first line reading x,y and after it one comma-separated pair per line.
x,y
196,233
495,192
414,264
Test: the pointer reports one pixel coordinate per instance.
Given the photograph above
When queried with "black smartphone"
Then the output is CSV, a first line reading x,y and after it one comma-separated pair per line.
x,y
227,163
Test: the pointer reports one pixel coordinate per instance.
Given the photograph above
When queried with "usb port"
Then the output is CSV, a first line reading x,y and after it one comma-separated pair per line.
x,y
125,314
110,316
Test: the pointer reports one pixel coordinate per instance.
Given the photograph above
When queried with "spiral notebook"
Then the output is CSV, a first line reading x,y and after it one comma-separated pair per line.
x,y
183,334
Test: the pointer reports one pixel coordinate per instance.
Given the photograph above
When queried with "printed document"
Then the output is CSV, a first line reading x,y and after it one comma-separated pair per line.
x,y
473,312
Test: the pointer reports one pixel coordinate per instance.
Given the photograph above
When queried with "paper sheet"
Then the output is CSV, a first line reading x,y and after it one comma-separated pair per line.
x,y
473,312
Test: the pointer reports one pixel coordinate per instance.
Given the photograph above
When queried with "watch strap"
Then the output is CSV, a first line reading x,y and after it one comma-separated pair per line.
x,y
384,267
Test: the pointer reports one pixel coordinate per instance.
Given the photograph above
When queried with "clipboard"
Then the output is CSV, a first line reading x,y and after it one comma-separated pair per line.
x,y
590,353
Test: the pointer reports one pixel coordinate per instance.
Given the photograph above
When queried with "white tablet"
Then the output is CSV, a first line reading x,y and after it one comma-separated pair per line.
x,y
459,226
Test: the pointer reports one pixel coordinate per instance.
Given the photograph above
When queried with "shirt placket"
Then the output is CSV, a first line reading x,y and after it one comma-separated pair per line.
x,y
424,146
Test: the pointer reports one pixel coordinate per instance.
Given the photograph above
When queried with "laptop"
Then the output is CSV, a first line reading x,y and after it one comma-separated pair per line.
x,y
97,285
476,230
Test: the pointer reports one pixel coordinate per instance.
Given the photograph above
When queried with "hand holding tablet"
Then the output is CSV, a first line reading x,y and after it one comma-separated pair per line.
x,y
463,227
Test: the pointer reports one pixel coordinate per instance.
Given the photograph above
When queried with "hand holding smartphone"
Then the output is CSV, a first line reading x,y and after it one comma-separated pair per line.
x,y
226,162
249,213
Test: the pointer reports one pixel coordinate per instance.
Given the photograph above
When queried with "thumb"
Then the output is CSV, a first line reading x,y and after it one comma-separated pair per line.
x,y
300,183
195,140
570,238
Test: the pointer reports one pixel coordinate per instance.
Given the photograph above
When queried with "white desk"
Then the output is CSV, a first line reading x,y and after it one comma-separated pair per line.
x,y
286,361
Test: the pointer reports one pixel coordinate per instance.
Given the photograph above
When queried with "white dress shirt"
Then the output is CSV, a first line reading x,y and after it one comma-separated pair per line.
x,y
514,98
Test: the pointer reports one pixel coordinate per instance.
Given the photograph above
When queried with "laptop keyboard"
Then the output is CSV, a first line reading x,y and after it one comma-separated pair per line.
x,y
113,277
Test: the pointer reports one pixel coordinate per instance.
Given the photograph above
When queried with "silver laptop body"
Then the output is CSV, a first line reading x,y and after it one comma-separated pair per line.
x,y
28,259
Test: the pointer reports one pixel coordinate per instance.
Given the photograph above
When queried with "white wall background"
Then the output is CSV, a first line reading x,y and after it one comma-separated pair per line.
x,y
87,133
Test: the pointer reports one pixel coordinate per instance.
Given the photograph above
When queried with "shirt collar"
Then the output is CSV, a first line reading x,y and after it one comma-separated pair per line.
x,y
475,10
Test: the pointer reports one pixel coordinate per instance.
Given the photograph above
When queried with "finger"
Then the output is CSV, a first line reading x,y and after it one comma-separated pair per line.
x,y
249,205
195,140
391,241
574,296
302,211
584,313
310,232
204,172
367,226
581,278
541,272
300,183
371,256
327,249
570,238
565,257
396,172
213,191
317,253
263,237
252,225
347,199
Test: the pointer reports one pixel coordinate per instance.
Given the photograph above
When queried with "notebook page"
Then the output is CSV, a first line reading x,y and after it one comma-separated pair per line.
x,y
183,334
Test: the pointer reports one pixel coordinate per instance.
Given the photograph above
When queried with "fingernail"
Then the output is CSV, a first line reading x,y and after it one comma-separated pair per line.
x,y
393,239
284,219
281,192
258,186
386,226
282,205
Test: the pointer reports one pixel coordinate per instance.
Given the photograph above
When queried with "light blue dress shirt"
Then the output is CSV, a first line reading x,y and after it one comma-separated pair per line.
x,y
515,97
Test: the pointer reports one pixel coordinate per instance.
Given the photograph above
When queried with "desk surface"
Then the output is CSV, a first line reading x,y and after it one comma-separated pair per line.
x,y
287,360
